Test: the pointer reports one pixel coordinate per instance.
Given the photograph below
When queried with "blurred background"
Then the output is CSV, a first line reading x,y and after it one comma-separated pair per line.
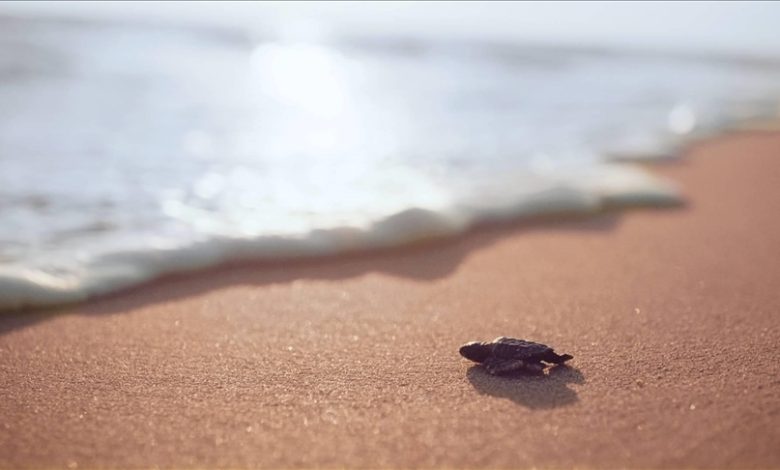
x,y
713,26
143,138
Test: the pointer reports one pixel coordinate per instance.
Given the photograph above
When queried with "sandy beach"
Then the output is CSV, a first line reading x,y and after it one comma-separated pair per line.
x,y
671,316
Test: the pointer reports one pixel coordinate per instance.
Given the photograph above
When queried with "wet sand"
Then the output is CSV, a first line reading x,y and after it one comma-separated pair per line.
x,y
671,315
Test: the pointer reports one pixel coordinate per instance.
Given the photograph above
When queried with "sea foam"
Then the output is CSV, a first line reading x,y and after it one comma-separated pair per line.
x,y
131,152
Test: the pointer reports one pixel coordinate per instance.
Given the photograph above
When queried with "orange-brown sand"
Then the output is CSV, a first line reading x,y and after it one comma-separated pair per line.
x,y
672,316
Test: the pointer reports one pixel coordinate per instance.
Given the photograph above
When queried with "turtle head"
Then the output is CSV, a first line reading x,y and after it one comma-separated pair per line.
x,y
475,351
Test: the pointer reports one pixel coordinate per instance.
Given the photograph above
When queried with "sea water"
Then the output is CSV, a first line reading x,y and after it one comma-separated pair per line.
x,y
129,151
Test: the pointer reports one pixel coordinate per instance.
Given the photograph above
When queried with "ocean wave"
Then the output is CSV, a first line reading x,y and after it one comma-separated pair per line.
x,y
135,153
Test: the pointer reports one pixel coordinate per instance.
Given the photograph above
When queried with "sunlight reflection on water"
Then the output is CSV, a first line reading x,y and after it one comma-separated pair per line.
x,y
306,76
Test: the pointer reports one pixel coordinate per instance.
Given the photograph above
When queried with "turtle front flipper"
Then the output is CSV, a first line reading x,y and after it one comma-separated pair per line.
x,y
504,366
553,358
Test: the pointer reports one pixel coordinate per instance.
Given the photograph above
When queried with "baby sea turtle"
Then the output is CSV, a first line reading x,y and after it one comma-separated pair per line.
x,y
504,355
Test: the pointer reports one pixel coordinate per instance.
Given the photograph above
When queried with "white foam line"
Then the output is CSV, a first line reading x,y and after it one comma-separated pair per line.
x,y
24,287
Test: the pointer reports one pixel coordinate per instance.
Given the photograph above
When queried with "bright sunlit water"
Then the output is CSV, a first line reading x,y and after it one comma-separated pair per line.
x,y
129,151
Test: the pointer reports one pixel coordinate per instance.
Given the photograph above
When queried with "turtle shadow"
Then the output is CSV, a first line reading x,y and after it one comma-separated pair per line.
x,y
534,391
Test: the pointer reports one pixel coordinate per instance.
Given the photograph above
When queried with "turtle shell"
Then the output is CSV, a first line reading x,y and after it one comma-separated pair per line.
x,y
511,348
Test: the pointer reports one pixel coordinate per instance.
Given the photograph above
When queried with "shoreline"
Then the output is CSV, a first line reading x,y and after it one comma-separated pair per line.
x,y
31,290
670,314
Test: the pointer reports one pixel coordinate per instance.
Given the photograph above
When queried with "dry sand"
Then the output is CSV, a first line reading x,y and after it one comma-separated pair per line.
x,y
671,314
